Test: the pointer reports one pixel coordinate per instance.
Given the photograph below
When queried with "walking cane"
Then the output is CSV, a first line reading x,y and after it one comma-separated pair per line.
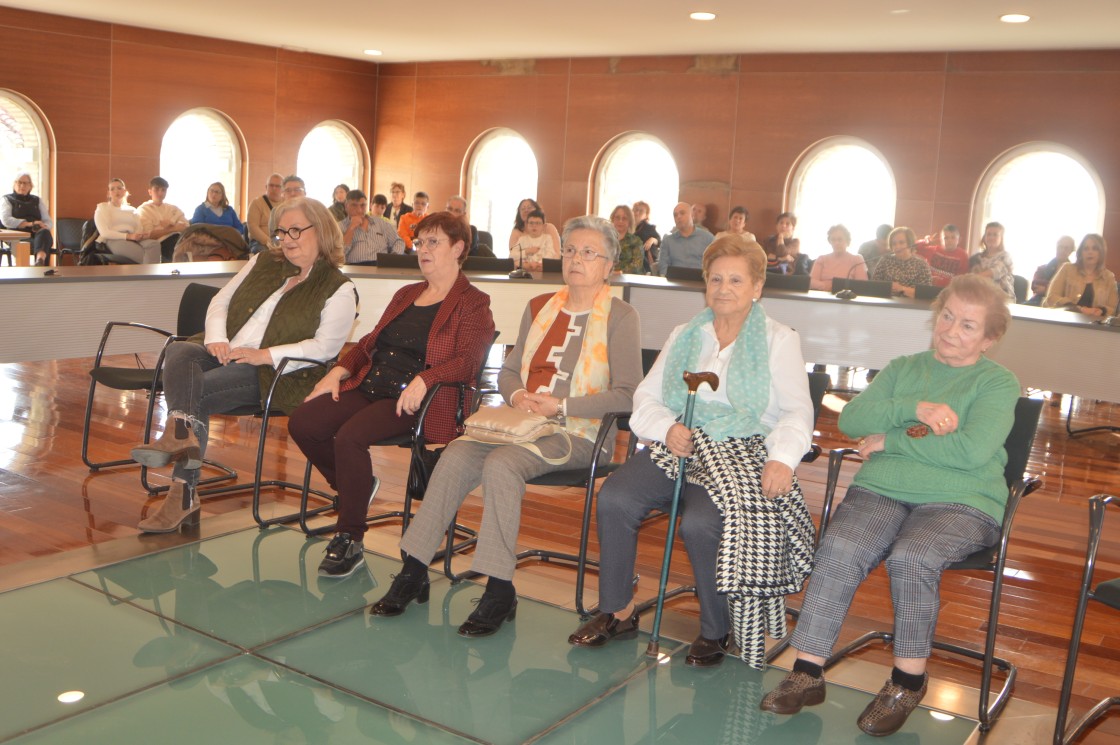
x,y
693,381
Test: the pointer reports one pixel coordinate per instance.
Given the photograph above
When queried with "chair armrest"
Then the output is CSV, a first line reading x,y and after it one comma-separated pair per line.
x,y
284,362
124,324
835,460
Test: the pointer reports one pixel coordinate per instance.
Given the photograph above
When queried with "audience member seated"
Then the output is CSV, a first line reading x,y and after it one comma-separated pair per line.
x,y
406,226
839,264
994,262
684,246
577,357
524,207
294,187
260,212
380,205
289,301
931,491
397,207
902,267
631,258
945,255
434,331
22,210
534,244
162,222
651,239
740,496
1085,285
700,215
872,251
737,225
119,227
338,203
457,205
1045,273
783,251
364,236
216,210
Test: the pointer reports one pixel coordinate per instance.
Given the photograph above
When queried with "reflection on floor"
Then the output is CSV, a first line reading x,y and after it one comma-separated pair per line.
x,y
235,639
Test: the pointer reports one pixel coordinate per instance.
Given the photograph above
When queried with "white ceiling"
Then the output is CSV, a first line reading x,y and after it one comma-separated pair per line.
x,y
493,29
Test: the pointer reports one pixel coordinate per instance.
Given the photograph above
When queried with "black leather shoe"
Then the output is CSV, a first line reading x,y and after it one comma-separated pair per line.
x,y
403,591
602,628
706,652
488,616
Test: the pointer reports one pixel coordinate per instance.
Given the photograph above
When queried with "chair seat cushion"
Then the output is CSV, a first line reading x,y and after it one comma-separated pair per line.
x,y
124,378
571,476
984,559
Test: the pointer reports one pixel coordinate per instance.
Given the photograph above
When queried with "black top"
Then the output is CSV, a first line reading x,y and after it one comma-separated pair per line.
x,y
402,347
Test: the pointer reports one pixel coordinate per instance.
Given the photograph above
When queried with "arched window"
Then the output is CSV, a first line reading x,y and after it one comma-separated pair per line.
x,y
200,147
25,144
840,180
333,153
1039,192
637,166
501,171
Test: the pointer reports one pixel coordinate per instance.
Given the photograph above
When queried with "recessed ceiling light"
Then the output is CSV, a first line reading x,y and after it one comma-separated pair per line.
x,y
373,52
900,11
702,16
70,697
1014,18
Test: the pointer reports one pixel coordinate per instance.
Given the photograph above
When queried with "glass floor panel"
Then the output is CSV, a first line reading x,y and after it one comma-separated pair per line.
x,y
236,639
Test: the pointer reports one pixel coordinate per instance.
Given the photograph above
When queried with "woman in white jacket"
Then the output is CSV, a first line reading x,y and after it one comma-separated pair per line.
x,y
119,227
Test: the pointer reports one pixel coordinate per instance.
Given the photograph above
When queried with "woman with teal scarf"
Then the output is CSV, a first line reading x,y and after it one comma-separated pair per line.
x,y
760,419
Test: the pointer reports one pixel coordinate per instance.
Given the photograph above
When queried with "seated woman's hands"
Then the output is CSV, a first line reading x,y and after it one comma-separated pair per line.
x,y
544,404
777,479
250,356
940,418
412,396
328,384
871,444
679,440
219,350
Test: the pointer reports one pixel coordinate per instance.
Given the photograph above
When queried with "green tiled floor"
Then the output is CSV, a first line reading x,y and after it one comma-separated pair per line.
x,y
235,639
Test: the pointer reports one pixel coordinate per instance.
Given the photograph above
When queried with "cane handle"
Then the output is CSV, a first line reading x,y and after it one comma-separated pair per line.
x,y
693,380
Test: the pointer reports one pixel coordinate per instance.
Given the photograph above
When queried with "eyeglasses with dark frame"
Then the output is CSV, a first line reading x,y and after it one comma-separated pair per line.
x,y
293,232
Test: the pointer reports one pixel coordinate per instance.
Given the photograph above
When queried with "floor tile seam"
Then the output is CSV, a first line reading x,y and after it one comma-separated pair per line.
x,y
256,648
241,649
591,703
368,699
124,696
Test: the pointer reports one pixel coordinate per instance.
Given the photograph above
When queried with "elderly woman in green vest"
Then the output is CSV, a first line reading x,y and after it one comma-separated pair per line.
x,y
291,301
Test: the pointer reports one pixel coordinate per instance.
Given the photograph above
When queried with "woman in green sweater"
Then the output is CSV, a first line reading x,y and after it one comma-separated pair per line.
x,y
930,491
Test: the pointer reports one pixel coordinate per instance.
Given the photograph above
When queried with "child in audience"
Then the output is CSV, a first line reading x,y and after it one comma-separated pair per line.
x,y
534,243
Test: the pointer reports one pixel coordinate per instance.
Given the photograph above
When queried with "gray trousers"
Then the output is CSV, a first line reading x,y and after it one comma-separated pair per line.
x,y
916,542
197,385
626,497
502,471
146,251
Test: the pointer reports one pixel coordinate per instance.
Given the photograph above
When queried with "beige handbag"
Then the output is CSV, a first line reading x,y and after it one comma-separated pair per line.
x,y
505,425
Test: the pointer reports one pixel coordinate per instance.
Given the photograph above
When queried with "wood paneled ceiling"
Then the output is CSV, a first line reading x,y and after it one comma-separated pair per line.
x,y
503,29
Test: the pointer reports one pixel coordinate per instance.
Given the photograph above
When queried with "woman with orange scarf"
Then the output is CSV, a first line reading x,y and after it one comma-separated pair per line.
x,y
576,357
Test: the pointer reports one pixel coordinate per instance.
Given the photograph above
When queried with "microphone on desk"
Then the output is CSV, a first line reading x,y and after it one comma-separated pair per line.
x,y
519,272
848,293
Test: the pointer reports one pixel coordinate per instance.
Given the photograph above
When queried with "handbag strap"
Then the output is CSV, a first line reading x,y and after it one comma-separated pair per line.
x,y
532,448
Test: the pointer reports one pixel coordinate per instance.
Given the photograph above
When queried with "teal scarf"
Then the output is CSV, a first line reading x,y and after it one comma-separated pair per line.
x,y
748,388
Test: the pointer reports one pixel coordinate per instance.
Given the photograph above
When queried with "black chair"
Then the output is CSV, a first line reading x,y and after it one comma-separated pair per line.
x,y
1022,288
686,274
486,239
1106,593
192,319
68,237
94,252
993,559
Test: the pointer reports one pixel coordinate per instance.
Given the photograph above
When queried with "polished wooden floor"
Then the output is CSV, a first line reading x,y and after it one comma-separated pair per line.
x,y
52,508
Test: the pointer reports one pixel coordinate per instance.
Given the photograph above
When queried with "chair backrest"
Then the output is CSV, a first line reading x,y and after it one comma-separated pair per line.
x,y
678,273
927,292
68,233
789,282
1021,287
863,287
552,266
192,308
398,261
1021,438
485,239
485,264
818,386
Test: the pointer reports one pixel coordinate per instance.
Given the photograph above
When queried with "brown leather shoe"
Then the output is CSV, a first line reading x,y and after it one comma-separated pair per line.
x,y
707,652
171,515
888,712
177,442
602,628
795,691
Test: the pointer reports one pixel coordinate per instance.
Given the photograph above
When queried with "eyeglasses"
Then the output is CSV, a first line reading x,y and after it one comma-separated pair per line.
x,y
586,254
293,232
294,191
429,243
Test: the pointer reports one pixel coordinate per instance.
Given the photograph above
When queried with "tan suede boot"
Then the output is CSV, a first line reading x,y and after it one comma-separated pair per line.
x,y
177,442
172,514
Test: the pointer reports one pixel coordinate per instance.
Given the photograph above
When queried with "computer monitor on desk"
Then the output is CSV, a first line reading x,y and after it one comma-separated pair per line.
x,y
684,273
487,264
398,261
862,287
790,282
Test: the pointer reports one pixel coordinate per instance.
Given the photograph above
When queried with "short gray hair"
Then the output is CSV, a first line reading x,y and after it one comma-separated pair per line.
x,y
460,199
596,223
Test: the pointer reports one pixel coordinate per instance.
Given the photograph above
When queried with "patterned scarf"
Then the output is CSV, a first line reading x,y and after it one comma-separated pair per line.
x,y
748,387
593,371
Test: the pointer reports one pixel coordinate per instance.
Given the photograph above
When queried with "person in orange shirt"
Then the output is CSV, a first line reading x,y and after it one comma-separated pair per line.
x,y
406,228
